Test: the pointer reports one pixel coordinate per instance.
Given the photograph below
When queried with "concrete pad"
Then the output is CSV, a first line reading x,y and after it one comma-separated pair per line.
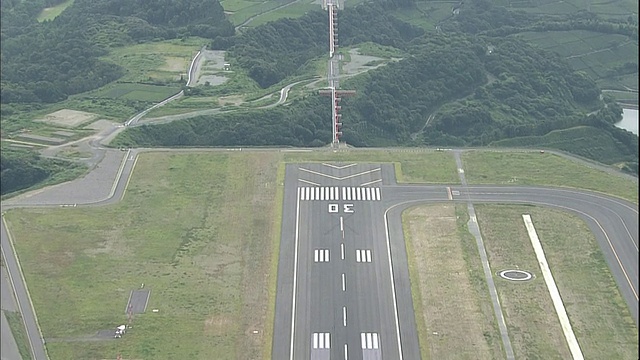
x,y
138,300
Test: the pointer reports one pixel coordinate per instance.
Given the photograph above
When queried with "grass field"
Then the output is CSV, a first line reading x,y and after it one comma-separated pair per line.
x,y
201,231
533,168
598,314
52,12
452,319
452,307
140,92
159,61
19,333
203,249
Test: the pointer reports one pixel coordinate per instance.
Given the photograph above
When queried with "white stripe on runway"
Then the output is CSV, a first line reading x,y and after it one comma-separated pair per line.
x,y
377,194
322,189
368,193
368,255
331,193
357,255
358,190
337,193
344,193
369,341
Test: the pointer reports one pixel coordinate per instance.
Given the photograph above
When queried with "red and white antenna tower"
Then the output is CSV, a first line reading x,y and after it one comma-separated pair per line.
x,y
334,66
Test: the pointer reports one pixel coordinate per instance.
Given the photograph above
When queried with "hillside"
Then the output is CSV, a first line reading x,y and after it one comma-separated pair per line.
x,y
49,61
454,88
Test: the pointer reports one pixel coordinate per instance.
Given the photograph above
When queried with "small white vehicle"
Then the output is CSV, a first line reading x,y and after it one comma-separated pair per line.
x,y
120,330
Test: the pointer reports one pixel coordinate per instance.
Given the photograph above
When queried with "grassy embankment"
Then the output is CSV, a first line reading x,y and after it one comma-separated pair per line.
x,y
201,231
52,12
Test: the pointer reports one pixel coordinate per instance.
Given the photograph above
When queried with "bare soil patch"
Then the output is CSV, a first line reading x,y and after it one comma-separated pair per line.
x,y
175,64
455,324
68,118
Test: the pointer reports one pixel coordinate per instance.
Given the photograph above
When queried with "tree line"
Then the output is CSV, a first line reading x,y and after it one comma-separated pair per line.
x,y
46,62
278,49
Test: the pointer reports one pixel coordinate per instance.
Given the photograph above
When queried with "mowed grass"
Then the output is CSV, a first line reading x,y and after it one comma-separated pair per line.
x,y
599,316
52,12
140,92
423,167
196,229
453,311
533,168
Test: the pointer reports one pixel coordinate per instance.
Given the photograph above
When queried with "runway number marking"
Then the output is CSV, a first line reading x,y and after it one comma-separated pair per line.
x,y
346,208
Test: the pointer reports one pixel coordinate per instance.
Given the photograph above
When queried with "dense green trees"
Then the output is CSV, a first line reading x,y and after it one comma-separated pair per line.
x,y
20,169
278,49
47,62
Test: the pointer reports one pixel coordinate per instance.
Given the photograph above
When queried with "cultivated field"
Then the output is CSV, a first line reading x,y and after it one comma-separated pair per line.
x,y
594,53
139,92
160,61
68,118
201,232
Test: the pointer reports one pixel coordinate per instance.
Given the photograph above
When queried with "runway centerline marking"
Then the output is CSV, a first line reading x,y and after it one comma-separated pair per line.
x,y
342,251
344,316
344,283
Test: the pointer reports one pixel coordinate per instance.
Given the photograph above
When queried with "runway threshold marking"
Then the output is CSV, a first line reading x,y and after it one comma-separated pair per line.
x,y
569,335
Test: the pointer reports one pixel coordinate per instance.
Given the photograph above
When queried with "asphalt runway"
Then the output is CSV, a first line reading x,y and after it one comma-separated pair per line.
x,y
375,297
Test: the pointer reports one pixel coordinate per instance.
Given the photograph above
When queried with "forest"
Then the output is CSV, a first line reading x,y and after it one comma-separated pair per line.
x,y
476,97
49,61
